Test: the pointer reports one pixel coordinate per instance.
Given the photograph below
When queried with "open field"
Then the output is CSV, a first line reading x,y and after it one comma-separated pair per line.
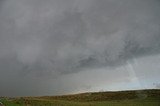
x,y
122,98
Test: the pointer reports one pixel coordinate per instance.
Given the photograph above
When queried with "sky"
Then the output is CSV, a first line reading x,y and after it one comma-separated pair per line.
x,y
55,47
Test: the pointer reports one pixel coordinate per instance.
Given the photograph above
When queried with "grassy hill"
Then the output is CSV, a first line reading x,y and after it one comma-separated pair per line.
x,y
120,98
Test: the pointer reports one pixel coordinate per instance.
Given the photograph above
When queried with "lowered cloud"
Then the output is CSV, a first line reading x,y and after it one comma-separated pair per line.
x,y
48,39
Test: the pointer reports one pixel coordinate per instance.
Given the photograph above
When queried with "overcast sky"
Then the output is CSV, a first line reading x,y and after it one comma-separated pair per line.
x,y
52,47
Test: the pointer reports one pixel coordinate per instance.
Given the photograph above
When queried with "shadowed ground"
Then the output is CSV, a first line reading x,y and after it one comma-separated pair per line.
x,y
121,98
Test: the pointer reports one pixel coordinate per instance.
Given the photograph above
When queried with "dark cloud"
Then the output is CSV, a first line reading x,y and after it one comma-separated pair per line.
x,y
46,39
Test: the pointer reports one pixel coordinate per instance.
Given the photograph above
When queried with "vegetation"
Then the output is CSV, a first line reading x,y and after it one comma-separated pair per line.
x,y
122,98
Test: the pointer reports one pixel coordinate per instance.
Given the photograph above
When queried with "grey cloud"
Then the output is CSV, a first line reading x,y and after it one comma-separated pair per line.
x,y
53,37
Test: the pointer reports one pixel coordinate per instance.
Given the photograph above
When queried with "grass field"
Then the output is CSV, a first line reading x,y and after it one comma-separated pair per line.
x,y
125,98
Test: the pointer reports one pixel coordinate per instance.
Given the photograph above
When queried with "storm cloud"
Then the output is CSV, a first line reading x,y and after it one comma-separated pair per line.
x,y
43,40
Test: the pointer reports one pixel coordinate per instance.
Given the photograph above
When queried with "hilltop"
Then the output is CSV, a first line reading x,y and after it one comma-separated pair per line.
x,y
118,98
110,95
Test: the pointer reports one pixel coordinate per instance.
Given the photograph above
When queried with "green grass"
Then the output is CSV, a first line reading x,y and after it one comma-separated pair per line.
x,y
145,102
36,102
126,98
7,102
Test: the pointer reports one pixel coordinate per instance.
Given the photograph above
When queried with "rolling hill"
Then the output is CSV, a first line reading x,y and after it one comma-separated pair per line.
x,y
120,98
